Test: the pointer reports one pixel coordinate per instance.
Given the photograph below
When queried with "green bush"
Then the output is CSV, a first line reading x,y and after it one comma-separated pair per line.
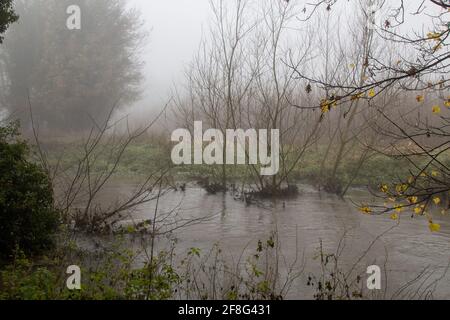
x,y
19,281
28,219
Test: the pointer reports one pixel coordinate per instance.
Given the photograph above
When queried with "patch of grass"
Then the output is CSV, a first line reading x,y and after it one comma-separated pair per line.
x,y
143,157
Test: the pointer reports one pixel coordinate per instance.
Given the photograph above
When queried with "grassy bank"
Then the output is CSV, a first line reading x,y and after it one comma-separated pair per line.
x,y
141,158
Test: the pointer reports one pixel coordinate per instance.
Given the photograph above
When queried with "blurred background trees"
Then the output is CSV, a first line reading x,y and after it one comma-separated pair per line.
x,y
73,78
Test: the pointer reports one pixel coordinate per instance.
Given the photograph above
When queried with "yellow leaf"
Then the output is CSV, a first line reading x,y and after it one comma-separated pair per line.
x,y
365,210
417,210
420,98
436,109
436,200
447,103
394,216
398,208
413,199
434,35
325,105
434,227
434,173
372,93
384,188
401,188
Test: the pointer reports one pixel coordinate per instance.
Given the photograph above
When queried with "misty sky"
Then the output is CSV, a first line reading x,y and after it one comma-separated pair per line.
x,y
176,28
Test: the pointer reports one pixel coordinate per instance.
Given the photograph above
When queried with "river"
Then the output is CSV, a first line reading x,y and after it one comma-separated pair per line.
x,y
402,249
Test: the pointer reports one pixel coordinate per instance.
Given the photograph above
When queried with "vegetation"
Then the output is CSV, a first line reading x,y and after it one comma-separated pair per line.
x,y
115,275
7,16
28,220
72,78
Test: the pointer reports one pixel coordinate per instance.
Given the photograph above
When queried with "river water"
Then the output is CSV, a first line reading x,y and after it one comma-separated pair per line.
x,y
402,249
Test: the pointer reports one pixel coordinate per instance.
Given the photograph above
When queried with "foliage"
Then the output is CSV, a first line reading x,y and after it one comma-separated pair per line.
x,y
421,193
27,217
21,281
7,16
113,273
106,275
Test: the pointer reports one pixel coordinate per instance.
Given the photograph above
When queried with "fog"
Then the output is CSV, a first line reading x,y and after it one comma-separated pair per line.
x,y
175,29
173,32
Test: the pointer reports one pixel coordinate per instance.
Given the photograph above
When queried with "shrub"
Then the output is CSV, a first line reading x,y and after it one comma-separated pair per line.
x,y
28,219
19,281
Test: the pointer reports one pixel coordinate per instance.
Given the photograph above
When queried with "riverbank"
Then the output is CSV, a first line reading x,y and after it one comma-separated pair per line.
x,y
141,158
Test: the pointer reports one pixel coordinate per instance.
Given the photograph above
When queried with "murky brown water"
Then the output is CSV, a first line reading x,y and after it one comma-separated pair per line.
x,y
302,223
